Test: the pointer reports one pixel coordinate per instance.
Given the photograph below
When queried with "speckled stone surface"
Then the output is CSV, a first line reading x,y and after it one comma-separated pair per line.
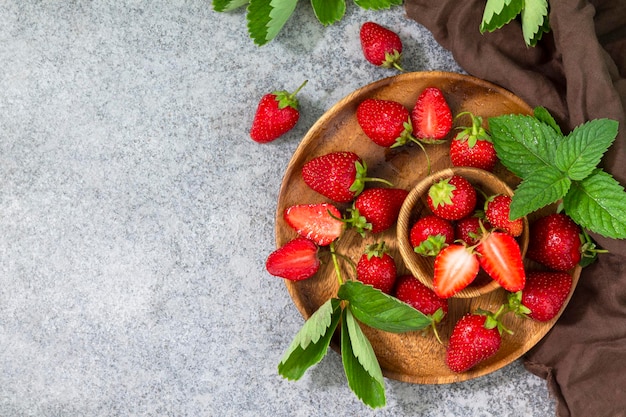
x,y
136,214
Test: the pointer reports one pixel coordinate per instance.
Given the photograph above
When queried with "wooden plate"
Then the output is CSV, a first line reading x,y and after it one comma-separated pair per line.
x,y
409,357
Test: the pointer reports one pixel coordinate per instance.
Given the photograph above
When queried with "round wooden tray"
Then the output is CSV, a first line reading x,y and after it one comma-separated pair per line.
x,y
409,357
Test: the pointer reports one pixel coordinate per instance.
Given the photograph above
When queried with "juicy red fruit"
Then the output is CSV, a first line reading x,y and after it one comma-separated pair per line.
x,y
430,234
276,114
333,175
452,198
500,256
380,206
472,146
431,116
545,293
377,268
385,122
497,209
471,342
296,260
413,292
319,222
381,46
456,267
555,242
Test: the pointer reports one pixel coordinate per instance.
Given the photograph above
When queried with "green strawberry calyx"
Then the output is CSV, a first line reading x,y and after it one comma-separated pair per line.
x,y
358,185
441,193
392,60
287,99
473,133
493,319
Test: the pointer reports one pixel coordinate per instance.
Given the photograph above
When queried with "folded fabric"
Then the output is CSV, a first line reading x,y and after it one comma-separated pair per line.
x,y
578,72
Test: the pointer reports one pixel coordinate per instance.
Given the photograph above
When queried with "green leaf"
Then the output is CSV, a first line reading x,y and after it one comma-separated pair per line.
x,y
598,203
580,152
267,17
545,186
376,4
381,311
328,11
363,372
228,5
534,14
523,143
543,115
498,13
311,343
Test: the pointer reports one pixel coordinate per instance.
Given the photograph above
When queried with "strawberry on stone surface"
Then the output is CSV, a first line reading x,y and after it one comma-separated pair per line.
x,y
381,46
472,146
431,116
545,293
452,198
474,339
377,268
319,222
555,241
386,122
456,267
497,209
276,114
430,234
295,260
379,208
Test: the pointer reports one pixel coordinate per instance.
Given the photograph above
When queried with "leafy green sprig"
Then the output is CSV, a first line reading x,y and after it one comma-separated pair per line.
x,y
562,168
533,15
267,17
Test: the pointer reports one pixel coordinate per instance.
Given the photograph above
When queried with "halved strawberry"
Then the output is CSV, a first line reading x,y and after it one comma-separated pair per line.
x,y
431,117
455,268
295,260
319,222
500,256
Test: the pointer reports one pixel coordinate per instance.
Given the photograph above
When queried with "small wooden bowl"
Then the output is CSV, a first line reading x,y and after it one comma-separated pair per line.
x,y
415,206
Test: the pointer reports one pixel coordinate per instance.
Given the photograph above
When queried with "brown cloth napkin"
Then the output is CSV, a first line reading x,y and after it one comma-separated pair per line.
x,y
578,72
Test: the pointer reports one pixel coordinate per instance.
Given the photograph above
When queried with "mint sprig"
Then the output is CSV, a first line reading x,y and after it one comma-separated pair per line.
x,y
533,16
555,167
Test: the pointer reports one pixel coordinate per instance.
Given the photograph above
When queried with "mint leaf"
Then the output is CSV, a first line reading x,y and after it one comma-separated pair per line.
x,y
598,203
523,143
376,4
363,372
381,311
328,11
580,152
545,186
498,13
533,15
227,5
311,343
543,115
267,17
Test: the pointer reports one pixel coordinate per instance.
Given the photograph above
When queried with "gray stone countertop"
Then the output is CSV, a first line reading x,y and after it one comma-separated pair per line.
x,y
136,214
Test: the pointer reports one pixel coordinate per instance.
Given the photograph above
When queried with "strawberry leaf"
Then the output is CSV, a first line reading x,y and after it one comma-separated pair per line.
x,y
534,13
523,143
381,311
311,343
328,11
598,203
377,4
498,13
228,5
363,372
581,151
545,186
267,17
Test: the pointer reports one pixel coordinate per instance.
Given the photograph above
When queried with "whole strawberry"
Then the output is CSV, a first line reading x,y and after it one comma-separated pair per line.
x,y
469,229
555,242
378,207
497,210
319,222
452,198
431,116
430,234
276,114
472,146
339,176
295,260
474,339
381,46
544,294
377,268
386,122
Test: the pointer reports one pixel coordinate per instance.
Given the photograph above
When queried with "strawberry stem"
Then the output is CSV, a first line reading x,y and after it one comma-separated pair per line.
x,y
292,95
419,143
333,255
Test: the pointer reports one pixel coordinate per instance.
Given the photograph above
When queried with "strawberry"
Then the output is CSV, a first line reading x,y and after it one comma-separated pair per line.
x,y
452,198
475,338
339,176
381,46
544,294
430,234
387,123
377,268
276,114
555,242
472,146
295,260
497,210
431,116
376,209
500,256
456,266
319,222
469,229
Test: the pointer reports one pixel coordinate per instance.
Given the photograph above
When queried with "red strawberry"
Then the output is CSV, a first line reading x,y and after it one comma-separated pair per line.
x,y
497,210
472,146
545,293
413,292
474,338
431,117
295,260
430,234
381,46
452,198
500,256
455,268
377,209
377,268
387,123
555,242
469,229
319,222
276,114
339,176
